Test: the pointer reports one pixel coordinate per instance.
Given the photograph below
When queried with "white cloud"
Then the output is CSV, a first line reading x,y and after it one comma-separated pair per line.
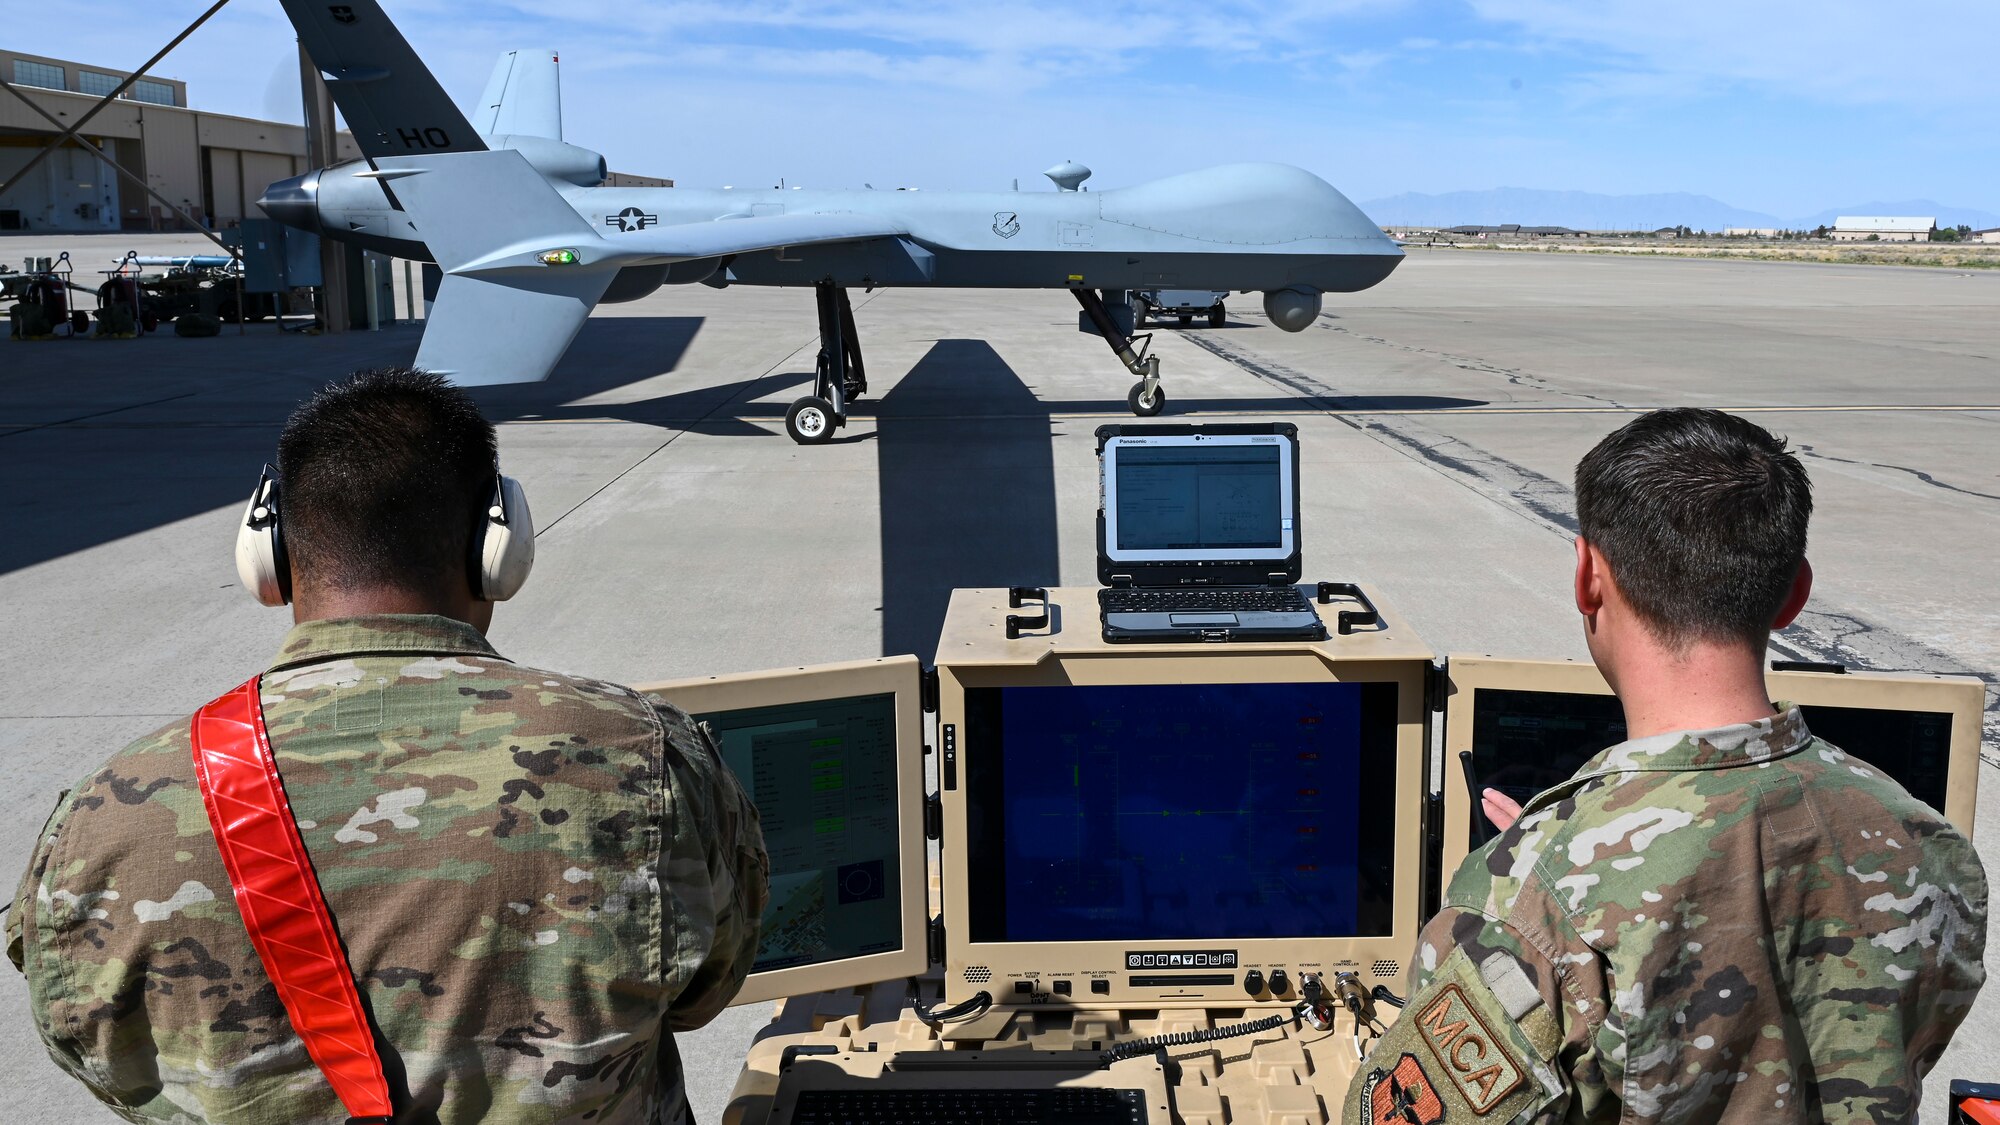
x,y
1853,52
1000,45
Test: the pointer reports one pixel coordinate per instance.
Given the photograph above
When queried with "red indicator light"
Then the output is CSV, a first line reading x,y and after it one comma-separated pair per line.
x,y
1308,792
1308,830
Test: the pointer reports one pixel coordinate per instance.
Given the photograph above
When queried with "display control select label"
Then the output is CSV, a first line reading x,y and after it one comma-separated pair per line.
x,y
1180,959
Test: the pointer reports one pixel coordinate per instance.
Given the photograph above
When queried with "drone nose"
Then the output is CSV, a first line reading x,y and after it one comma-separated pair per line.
x,y
294,202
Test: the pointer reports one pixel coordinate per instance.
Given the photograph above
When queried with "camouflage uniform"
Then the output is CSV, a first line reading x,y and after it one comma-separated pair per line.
x,y
537,878
1742,924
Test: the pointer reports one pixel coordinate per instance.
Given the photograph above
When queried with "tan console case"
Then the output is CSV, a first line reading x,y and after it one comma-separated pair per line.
x,y
974,651
1961,697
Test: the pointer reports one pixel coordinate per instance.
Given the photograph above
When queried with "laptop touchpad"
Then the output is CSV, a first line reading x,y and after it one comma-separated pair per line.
x,y
1201,620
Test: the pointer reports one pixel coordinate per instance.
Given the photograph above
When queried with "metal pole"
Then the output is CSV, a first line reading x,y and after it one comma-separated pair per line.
x,y
72,130
322,150
374,296
409,292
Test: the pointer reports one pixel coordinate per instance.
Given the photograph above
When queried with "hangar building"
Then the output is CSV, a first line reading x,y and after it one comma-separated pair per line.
x,y
212,165
1883,228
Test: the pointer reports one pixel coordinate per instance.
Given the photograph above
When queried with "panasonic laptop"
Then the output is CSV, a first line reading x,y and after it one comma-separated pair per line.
x,y
1198,534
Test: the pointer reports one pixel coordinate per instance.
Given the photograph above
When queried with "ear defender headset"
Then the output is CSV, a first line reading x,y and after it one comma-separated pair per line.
x,y
503,545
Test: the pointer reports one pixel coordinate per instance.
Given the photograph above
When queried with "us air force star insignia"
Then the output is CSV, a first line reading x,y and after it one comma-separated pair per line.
x,y
631,219
1403,1096
1006,224
1474,1059
342,13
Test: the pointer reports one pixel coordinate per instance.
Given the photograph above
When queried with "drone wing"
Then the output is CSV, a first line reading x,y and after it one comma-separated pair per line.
x,y
523,269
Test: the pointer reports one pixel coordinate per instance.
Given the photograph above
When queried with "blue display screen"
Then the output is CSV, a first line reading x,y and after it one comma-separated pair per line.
x,y
1159,812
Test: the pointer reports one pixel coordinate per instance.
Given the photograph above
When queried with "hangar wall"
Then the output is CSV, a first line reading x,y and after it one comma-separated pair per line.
x,y
214,166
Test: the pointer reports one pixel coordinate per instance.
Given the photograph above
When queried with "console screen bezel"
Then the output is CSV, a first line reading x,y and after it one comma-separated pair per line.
x,y
1017,974
1960,697
898,676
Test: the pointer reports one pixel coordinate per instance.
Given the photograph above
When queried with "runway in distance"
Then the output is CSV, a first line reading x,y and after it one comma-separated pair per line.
x,y
529,241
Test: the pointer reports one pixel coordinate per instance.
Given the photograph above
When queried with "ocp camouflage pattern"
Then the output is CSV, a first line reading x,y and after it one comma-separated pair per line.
x,y
1738,925
537,877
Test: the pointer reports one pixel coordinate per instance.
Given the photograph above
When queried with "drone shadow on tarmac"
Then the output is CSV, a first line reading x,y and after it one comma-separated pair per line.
x,y
965,449
966,459
169,429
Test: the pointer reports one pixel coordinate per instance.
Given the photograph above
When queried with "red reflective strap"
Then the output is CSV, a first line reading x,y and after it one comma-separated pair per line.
x,y
1982,1111
279,897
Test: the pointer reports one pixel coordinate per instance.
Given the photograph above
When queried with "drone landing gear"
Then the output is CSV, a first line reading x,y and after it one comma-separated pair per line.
x,y
1145,398
838,377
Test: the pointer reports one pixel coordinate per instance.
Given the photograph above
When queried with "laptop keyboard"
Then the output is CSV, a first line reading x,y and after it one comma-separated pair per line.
x,y
1237,599
1072,1106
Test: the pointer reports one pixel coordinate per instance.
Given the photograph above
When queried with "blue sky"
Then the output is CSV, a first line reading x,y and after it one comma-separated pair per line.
x,y
1783,106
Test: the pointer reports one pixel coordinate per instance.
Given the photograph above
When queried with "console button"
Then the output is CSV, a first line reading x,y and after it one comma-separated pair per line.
x,y
1280,983
1253,982
1062,988
1101,986
1024,987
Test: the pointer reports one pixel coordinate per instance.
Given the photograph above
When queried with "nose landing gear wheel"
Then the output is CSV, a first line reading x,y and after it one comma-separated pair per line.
x,y
810,421
1144,405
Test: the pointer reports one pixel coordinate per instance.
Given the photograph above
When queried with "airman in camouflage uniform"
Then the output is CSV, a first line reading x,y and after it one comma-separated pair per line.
x,y
1723,919
537,878
1742,924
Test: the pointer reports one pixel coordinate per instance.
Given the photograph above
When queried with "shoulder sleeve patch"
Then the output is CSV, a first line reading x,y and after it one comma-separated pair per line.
x,y
1402,1095
1469,1051
1458,1054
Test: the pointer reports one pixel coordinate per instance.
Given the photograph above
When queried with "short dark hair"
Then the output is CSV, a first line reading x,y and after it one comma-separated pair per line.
x,y
382,476
1702,516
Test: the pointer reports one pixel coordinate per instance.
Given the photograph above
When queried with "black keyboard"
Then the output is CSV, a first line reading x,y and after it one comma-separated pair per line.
x,y
1232,599
1070,1106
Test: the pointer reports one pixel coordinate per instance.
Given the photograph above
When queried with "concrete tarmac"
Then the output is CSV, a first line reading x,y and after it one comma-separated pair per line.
x,y
681,532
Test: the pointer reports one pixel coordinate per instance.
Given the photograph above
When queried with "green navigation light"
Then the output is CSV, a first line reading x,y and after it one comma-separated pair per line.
x,y
559,257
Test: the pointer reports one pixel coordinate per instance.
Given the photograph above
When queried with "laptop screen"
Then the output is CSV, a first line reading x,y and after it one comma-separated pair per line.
x,y
1197,498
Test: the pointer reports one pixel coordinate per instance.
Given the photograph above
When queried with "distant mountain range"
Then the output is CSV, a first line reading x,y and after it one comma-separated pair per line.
x,y
1583,210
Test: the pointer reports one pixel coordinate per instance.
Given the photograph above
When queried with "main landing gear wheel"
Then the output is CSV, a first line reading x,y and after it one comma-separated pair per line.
x,y
810,421
1144,405
1217,318
1185,319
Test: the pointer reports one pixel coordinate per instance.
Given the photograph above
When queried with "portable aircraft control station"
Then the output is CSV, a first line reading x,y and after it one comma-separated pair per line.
x,y
1081,882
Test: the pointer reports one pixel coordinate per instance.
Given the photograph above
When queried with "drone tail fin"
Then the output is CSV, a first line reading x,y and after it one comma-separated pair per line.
x,y
523,98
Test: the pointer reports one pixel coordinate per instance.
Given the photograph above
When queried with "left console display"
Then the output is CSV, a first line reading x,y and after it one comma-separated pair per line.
x,y
832,758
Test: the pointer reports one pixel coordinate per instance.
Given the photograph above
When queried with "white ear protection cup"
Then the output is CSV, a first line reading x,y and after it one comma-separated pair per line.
x,y
507,547
260,550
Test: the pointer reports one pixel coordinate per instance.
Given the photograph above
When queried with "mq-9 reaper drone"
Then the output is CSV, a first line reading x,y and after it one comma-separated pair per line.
x,y
528,241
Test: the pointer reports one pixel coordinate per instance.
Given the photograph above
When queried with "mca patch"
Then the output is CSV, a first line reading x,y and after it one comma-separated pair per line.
x,y
1475,1061
1403,1095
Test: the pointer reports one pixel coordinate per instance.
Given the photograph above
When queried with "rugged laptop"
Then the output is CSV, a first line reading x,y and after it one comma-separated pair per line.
x,y
1198,534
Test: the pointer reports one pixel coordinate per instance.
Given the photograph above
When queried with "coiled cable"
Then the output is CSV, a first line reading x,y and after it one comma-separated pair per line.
x,y
1137,1047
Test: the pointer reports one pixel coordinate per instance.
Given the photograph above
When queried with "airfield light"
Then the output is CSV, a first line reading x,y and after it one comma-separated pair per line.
x,y
559,257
